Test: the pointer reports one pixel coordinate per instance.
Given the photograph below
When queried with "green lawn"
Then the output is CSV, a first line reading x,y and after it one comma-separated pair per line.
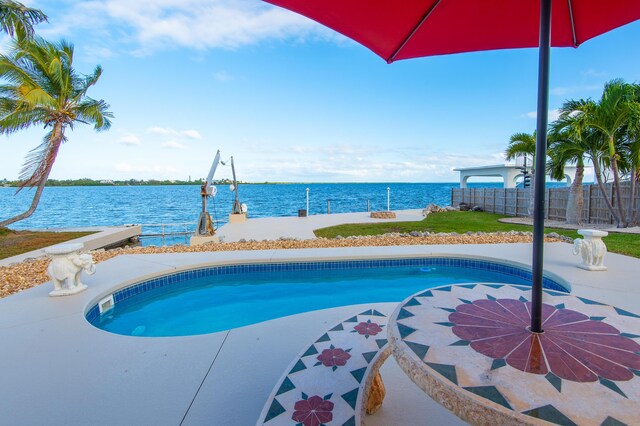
x,y
461,222
17,242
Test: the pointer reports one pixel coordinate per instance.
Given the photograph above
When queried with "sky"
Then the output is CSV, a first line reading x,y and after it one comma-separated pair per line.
x,y
291,100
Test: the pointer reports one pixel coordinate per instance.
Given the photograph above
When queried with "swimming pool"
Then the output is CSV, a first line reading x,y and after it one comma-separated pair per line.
x,y
224,297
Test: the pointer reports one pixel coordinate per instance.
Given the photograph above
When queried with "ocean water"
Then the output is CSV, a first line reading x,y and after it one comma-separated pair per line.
x,y
120,205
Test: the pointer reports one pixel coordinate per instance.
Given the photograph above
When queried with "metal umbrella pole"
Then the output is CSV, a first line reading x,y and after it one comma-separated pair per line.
x,y
540,172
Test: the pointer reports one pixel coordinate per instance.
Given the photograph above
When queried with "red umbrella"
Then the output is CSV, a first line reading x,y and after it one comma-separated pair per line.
x,y
414,28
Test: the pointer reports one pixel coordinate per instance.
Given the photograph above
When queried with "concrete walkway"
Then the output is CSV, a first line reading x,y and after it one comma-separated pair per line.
x,y
273,228
57,369
564,225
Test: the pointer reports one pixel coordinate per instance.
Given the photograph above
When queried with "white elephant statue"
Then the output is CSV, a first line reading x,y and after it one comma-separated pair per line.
x,y
583,248
65,273
592,251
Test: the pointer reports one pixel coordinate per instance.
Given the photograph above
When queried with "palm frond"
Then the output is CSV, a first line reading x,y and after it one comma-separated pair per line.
x,y
17,19
7,105
521,144
633,130
45,63
523,137
36,96
85,82
95,112
15,72
21,120
8,91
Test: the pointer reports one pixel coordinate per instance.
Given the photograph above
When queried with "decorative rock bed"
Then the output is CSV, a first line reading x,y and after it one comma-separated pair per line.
x,y
30,273
383,215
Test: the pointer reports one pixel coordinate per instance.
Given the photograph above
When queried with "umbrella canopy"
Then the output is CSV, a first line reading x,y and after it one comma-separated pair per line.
x,y
414,28
397,30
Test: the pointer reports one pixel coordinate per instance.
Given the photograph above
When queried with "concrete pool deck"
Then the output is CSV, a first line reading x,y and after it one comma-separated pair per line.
x,y
58,369
272,228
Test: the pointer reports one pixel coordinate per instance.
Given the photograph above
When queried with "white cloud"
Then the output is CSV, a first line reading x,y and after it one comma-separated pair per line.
x,y
359,163
131,140
191,134
162,131
172,145
199,24
174,139
167,131
97,53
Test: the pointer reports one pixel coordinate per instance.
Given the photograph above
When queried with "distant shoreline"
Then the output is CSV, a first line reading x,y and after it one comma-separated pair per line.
x,y
133,182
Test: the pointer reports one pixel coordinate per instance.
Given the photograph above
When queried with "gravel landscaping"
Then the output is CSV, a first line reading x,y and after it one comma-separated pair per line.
x,y
31,273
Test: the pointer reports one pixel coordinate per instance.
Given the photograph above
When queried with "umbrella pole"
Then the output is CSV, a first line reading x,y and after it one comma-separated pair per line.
x,y
541,157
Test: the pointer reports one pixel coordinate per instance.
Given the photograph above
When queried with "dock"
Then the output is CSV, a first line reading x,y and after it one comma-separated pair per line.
x,y
104,237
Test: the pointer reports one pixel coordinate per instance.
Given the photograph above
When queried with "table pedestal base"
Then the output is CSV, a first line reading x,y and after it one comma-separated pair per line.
x,y
376,394
469,347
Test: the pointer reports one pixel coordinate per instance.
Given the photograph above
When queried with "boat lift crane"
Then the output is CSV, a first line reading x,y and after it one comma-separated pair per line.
x,y
237,207
205,224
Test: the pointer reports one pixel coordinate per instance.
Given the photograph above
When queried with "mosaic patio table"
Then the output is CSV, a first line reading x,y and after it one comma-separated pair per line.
x,y
468,346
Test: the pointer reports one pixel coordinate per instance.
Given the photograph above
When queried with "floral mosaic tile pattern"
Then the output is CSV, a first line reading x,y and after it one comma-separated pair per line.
x,y
573,346
474,339
324,385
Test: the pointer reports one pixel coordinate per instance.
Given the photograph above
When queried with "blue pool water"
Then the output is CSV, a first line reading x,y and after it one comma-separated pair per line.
x,y
221,298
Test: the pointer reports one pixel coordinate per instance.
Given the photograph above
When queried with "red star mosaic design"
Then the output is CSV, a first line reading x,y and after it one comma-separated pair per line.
x,y
572,346
368,328
313,411
334,357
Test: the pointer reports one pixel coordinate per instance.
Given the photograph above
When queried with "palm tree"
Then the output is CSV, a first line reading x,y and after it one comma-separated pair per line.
x,y
523,144
17,19
43,89
632,147
608,119
569,146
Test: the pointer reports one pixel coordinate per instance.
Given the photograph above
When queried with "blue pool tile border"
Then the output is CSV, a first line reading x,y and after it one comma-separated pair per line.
x,y
94,313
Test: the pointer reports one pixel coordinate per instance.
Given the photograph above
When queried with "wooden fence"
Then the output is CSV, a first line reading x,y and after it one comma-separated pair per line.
x,y
515,201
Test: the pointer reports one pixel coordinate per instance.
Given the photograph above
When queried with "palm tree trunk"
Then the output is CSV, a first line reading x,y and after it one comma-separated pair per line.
x,y
56,140
632,195
32,208
616,185
636,179
575,201
531,191
598,173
